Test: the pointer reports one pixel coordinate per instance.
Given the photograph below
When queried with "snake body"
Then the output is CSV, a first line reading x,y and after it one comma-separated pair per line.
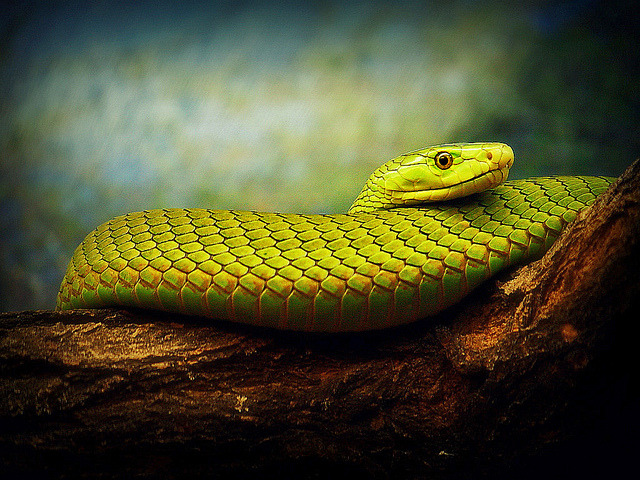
x,y
392,259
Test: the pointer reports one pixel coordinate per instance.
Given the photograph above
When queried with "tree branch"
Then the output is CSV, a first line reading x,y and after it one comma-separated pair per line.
x,y
515,379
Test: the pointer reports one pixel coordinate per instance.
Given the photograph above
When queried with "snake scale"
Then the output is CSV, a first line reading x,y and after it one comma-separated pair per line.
x,y
391,259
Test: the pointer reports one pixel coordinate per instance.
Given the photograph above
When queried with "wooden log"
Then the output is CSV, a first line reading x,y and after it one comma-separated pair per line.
x,y
531,375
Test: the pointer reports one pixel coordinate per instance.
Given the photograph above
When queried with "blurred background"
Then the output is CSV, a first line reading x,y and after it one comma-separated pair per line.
x,y
114,107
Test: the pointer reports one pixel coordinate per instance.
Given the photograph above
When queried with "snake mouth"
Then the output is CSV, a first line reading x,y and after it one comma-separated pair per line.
x,y
477,184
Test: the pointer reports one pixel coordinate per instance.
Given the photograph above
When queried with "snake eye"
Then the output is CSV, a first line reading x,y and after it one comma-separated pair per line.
x,y
444,160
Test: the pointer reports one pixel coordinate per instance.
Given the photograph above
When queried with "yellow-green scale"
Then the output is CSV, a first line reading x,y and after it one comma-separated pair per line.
x,y
321,272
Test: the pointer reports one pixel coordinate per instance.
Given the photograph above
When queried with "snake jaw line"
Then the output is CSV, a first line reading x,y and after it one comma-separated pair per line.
x,y
477,184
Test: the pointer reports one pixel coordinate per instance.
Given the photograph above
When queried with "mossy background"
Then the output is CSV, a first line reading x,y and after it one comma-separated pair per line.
x,y
121,106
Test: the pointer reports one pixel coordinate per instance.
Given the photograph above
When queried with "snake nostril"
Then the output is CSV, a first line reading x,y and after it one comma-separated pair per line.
x,y
489,155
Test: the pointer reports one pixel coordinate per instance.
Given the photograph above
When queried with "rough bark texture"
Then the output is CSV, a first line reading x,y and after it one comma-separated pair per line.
x,y
530,376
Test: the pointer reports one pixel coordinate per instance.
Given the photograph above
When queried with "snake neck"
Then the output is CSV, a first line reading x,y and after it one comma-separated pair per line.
x,y
371,198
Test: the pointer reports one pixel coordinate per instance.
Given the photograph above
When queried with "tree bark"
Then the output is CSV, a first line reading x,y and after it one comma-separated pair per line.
x,y
530,375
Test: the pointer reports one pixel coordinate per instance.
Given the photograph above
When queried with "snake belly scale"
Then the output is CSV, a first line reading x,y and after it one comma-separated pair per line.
x,y
392,259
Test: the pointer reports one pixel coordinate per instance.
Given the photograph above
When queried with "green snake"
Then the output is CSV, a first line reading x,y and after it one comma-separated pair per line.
x,y
391,259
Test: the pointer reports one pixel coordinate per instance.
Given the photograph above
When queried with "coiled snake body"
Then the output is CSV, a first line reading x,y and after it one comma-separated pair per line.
x,y
392,259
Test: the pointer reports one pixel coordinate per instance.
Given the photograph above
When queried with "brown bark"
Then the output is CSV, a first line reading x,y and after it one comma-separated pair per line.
x,y
530,375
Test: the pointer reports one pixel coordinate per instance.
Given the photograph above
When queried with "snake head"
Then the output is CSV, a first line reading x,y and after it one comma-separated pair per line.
x,y
441,172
